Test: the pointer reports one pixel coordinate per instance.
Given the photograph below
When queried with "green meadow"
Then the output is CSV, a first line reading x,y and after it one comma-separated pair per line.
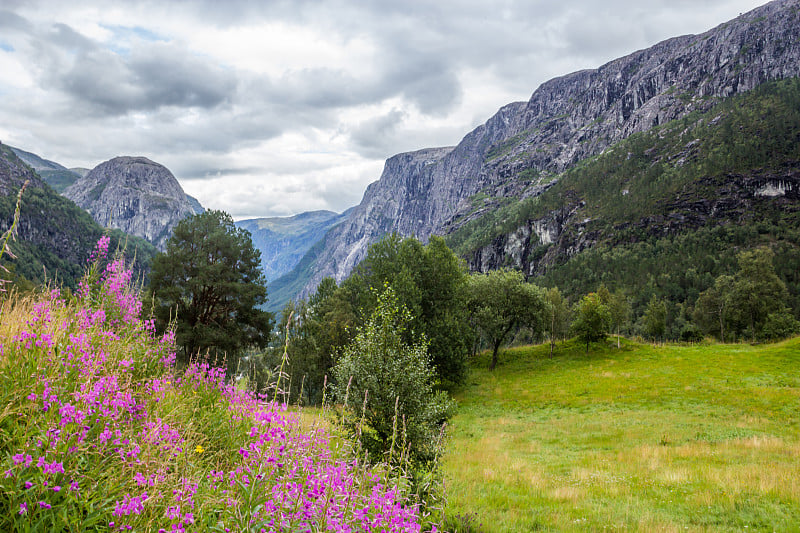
x,y
642,438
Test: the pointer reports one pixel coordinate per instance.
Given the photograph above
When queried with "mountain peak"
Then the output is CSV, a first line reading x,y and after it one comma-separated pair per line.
x,y
134,194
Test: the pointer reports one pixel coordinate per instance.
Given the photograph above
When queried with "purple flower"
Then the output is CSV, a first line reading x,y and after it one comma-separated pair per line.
x,y
44,505
23,508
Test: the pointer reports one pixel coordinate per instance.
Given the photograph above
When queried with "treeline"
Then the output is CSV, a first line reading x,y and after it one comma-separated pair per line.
x,y
457,313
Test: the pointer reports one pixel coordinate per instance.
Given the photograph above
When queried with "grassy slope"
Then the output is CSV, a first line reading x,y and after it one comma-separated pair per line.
x,y
644,438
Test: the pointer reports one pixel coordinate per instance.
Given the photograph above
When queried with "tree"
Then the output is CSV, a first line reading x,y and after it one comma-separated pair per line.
x,y
712,310
757,290
318,329
390,384
557,317
655,318
779,325
620,309
209,280
501,301
430,281
592,320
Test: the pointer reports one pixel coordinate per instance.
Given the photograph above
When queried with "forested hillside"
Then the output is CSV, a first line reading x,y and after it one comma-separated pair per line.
x,y
664,212
55,236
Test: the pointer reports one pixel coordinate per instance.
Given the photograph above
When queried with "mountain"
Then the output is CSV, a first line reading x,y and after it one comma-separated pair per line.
x,y
663,212
55,236
526,147
135,195
80,171
57,176
283,241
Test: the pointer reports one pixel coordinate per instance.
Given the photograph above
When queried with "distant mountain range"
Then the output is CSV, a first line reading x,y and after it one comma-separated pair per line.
x,y
143,198
528,147
283,241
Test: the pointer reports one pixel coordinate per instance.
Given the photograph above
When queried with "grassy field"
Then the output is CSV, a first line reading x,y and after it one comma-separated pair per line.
x,y
673,438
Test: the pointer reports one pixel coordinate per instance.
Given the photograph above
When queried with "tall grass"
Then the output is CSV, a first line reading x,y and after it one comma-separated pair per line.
x,y
100,431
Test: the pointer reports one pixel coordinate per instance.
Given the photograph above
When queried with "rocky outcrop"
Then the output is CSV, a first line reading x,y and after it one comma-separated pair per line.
x,y
525,145
135,195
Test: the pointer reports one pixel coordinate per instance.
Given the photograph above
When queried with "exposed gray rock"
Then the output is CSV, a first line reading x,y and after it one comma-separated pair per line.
x,y
566,120
133,194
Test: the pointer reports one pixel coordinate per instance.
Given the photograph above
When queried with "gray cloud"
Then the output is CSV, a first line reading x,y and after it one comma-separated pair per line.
x,y
150,92
375,136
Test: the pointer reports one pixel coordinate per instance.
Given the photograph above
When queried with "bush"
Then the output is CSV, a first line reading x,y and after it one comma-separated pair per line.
x,y
387,389
779,326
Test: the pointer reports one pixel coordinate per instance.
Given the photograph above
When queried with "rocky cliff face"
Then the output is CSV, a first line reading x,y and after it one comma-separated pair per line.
x,y
135,195
517,152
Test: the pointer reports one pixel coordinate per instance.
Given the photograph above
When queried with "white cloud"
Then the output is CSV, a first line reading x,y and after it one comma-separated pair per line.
x,y
268,108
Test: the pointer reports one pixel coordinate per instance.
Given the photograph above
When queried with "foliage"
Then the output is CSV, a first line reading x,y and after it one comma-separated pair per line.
x,y
713,307
386,387
779,325
209,279
619,309
501,301
756,291
740,304
557,317
654,321
430,281
592,319
317,331
100,432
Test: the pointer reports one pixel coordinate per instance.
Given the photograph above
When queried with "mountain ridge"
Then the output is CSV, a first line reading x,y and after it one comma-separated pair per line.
x,y
520,150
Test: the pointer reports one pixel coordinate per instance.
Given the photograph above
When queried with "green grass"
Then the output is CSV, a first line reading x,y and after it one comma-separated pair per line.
x,y
673,438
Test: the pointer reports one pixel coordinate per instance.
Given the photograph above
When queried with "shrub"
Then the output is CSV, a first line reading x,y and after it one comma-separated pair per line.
x,y
387,388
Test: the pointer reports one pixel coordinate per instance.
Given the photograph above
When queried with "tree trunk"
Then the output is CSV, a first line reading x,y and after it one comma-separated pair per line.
x,y
495,349
552,346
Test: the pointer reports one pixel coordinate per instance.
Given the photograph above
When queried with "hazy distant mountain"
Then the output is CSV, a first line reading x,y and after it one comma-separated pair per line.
x,y
57,176
135,195
80,171
528,146
284,240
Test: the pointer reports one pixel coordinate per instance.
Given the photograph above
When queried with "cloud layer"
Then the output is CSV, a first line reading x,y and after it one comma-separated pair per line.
x,y
273,108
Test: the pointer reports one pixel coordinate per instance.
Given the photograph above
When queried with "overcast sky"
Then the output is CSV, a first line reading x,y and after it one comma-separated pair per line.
x,y
266,108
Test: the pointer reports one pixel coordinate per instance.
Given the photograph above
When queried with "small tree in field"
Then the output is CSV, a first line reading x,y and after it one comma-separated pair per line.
x,y
390,386
501,301
592,320
557,317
